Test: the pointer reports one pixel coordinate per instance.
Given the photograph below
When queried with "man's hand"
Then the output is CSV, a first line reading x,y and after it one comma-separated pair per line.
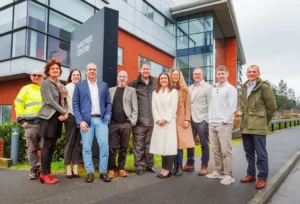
x,y
24,124
83,126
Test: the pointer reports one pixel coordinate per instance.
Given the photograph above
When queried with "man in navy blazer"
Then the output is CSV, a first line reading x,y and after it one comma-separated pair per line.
x,y
92,110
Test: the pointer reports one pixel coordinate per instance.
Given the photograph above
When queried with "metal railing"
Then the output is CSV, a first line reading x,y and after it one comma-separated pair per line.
x,y
273,125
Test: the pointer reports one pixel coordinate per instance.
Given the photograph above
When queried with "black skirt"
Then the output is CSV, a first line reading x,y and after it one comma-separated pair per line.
x,y
51,128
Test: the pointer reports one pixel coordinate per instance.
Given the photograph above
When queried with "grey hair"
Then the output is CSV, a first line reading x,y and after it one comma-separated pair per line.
x,y
123,71
254,66
201,69
91,64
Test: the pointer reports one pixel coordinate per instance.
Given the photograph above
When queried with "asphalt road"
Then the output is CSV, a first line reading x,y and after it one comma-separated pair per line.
x,y
189,188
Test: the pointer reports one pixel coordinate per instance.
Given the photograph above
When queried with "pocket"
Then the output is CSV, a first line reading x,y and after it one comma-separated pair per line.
x,y
257,121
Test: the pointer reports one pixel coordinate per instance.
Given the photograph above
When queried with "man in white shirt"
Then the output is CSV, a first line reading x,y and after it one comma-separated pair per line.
x,y
92,111
221,113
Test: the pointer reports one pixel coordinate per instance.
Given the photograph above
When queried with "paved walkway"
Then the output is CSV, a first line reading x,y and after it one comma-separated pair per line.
x,y
288,192
189,188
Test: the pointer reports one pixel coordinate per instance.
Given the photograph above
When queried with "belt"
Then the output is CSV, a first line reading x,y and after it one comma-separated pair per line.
x,y
96,116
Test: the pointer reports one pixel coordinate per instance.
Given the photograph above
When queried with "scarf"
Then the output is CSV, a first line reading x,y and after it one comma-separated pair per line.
x,y
62,90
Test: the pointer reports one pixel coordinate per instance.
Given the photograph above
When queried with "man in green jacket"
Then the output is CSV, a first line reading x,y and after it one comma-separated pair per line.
x,y
257,106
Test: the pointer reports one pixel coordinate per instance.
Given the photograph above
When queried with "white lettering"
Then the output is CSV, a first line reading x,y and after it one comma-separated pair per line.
x,y
84,45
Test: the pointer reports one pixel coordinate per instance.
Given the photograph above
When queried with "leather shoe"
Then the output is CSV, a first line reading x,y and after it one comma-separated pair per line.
x,y
104,177
203,171
188,168
260,184
150,169
139,172
89,178
248,179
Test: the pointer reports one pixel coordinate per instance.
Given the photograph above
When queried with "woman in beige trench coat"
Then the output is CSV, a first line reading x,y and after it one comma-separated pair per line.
x,y
183,118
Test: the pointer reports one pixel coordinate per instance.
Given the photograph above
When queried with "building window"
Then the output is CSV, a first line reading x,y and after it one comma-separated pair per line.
x,y
155,16
6,20
61,26
19,43
36,45
43,1
5,114
156,68
20,14
74,8
59,50
5,42
120,56
37,17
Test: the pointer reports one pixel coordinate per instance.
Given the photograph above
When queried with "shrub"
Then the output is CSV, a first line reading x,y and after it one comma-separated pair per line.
x,y
5,133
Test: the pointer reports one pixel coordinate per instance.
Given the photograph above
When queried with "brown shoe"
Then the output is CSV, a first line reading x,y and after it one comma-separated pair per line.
x,y
260,184
248,179
188,168
112,174
203,171
122,173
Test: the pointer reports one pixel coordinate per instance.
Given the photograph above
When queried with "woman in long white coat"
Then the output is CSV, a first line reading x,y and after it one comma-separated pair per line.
x,y
164,136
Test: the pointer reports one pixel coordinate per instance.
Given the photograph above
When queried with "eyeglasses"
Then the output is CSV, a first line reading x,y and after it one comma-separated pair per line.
x,y
36,75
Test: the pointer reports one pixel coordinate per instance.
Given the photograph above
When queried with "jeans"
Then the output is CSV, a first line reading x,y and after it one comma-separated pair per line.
x,y
179,157
256,144
200,129
101,130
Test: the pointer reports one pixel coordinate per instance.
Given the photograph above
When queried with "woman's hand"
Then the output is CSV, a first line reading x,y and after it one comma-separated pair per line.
x,y
61,118
161,122
66,116
185,124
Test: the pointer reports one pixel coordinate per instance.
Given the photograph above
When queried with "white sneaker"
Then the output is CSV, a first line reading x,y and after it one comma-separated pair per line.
x,y
214,175
227,180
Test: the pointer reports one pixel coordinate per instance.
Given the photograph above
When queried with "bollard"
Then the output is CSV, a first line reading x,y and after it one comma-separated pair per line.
x,y
14,148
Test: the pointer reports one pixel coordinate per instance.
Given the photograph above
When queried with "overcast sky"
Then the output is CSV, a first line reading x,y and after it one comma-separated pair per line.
x,y
270,34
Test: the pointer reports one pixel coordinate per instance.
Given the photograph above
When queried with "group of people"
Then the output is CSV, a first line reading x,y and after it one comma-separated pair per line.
x,y
164,116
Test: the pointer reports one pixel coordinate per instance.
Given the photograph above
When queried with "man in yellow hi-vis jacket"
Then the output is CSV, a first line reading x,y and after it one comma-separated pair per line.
x,y
27,105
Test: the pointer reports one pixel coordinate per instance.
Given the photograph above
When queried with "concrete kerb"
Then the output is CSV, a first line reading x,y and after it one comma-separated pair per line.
x,y
263,196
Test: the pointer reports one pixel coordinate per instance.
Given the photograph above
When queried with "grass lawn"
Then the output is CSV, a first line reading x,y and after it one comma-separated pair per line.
x,y
60,168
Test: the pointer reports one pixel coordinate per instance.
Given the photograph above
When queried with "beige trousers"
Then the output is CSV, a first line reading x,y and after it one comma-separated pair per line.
x,y
220,139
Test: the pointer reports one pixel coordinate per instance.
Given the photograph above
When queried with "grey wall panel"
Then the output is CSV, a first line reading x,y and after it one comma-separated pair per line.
x,y
5,68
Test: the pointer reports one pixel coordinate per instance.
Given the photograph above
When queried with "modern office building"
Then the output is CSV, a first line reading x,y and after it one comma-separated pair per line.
x,y
199,33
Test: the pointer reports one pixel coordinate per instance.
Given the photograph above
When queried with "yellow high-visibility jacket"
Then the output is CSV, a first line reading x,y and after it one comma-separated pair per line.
x,y
28,103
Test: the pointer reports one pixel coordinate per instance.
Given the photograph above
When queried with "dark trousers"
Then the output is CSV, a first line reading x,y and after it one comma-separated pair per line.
x,y
72,147
167,162
50,130
256,144
141,142
179,156
119,135
200,129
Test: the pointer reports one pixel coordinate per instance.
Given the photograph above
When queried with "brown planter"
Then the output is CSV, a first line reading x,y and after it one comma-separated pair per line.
x,y
1,148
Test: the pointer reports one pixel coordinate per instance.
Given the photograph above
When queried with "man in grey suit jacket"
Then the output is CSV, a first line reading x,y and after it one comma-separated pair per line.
x,y
200,96
124,116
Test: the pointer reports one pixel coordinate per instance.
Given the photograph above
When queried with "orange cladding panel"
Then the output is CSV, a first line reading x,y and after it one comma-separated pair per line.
x,y
231,60
9,91
133,48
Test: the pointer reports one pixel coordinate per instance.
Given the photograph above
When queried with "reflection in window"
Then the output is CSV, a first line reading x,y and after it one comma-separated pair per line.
x,y
6,20
5,2
5,42
196,26
5,114
61,26
37,17
20,15
75,8
59,50
36,44
18,43
120,56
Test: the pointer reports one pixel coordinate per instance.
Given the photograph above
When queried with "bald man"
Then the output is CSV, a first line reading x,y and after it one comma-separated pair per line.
x,y
124,116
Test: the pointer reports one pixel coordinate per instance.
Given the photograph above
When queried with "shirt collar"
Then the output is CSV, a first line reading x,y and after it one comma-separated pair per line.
x,y
221,85
197,84
251,83
91,83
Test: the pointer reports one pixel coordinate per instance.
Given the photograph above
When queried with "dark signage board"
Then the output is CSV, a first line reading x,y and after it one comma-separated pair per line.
x,y
96,41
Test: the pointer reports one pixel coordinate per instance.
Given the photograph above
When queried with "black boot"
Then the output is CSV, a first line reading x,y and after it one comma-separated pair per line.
x,y
175,167
179,171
